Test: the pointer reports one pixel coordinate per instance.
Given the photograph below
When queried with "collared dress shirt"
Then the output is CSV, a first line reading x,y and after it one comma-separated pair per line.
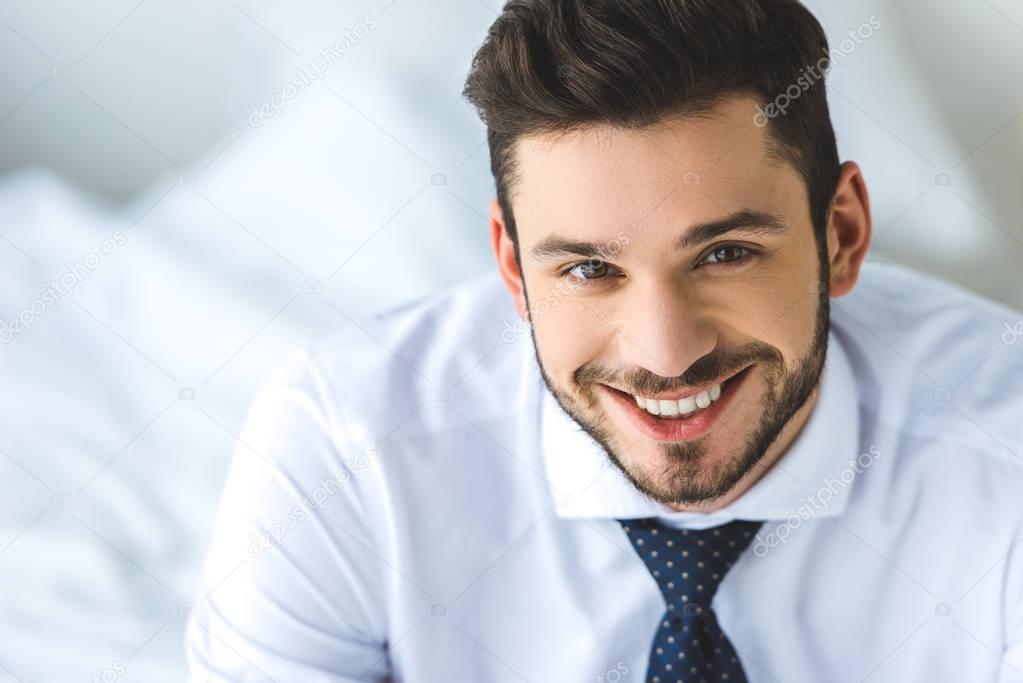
x,y
408,503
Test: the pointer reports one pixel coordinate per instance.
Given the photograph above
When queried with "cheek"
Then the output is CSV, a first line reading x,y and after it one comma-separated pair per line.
x,y
776,309
775,299
567,334
787,309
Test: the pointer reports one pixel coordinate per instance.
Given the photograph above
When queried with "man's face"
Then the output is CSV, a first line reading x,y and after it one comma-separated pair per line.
x,y
740,314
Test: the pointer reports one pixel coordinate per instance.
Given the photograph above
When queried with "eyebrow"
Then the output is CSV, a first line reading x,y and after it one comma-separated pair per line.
x,y
746,221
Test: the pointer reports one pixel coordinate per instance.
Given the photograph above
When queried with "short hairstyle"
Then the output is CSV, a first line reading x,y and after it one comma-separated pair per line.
x,y
549,67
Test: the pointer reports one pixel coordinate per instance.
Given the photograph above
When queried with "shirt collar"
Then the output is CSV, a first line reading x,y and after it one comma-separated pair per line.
x,y
812,478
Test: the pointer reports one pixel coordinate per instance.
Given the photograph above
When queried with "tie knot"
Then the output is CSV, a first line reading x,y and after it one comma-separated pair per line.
x,y
689,564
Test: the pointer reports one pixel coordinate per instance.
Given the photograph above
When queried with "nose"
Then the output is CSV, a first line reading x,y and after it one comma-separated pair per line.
x,y
663,329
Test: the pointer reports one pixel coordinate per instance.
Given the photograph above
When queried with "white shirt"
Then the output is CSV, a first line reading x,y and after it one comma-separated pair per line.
x,y
458,526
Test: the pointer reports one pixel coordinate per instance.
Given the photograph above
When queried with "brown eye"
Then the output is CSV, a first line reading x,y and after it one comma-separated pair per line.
x,y
589,270
728,254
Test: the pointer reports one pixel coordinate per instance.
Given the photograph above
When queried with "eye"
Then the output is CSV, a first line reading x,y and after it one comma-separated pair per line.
x,y
586,271
729,254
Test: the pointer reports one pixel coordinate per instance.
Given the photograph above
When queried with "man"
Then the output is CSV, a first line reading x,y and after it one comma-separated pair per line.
x,y
668,455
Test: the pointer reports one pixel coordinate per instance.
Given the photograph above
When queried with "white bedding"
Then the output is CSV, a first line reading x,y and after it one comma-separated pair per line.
x,y
122,398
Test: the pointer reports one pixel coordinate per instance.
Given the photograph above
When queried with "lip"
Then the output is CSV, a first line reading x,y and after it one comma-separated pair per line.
x,y
680,428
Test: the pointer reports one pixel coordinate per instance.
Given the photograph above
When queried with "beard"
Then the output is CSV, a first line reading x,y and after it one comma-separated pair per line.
x,y
689,477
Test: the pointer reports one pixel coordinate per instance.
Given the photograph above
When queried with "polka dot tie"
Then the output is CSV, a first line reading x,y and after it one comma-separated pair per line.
x,y
688,565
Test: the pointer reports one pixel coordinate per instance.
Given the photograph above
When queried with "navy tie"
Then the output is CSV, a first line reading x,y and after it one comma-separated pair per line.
x,y
688,565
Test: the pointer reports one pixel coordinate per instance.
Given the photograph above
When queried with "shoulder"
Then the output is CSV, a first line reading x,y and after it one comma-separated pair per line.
x,y
401,365
391,405
939,370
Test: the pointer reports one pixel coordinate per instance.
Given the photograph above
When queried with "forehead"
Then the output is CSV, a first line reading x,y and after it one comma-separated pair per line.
x,y
686,170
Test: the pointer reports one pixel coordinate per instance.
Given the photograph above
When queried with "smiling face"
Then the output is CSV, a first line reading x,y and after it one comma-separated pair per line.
x,y
673,270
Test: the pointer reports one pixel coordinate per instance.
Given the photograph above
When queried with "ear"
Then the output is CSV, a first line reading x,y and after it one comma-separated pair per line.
x,y
507,265
849,229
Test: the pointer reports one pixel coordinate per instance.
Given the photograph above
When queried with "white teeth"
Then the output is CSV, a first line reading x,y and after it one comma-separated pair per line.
x,y
682,406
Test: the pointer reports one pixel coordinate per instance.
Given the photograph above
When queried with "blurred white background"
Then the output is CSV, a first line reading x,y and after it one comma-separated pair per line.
x,y
206,217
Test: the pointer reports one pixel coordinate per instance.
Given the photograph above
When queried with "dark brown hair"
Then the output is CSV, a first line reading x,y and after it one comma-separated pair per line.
x,y
555,66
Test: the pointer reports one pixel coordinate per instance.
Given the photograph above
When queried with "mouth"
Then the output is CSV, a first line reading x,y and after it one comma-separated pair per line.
x,y
679,419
